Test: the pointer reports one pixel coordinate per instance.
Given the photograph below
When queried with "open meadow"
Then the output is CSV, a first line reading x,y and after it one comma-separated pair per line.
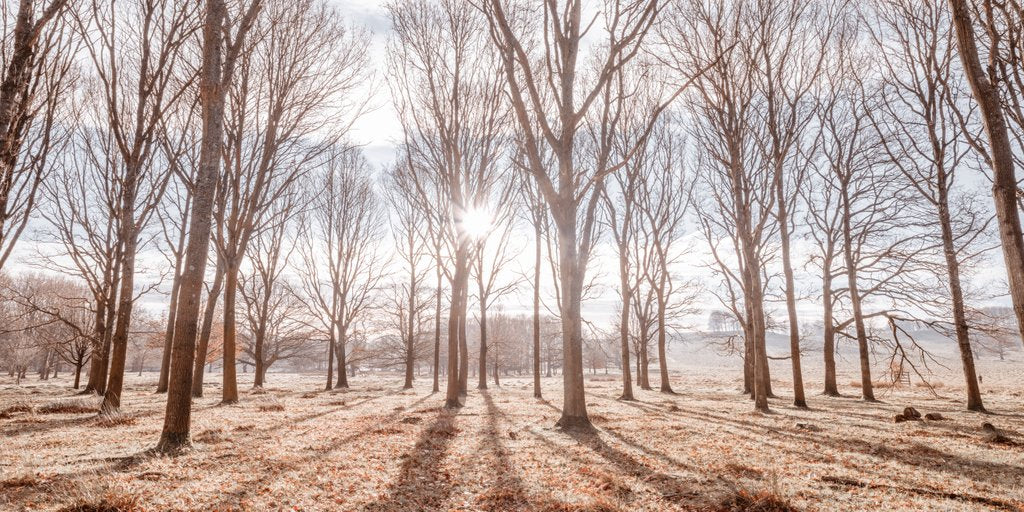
x,y
377,447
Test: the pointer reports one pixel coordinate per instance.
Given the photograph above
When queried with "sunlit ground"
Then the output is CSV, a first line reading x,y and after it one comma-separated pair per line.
x,y
376,447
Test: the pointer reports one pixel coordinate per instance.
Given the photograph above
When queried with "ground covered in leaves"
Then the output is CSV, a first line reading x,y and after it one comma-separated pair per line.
x,y
376,447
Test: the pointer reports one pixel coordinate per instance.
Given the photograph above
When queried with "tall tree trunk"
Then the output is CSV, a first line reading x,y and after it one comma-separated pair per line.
x,y
259,341
571,272
437,331
867,390
165,359
78,375
482,382
626,293
794,328
831,387
229,390
666,386
536,312
644,376
212,89
963,340
1004,180
207,329
119,341
330,362
341,353
456,309
463,342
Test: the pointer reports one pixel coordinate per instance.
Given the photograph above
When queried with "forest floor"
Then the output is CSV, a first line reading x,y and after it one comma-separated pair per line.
x,y
376,447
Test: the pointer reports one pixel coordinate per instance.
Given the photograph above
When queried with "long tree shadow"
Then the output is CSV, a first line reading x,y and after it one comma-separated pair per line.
x,y
421,483
507,492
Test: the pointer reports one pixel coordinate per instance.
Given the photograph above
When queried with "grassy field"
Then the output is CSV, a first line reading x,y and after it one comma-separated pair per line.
x,y
376,447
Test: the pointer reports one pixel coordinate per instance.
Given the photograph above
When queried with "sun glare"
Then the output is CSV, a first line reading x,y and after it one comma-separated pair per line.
x,y
476,223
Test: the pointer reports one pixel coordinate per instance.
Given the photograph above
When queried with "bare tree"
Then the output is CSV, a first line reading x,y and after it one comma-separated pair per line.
x,y
342,263
409,226
919,128
137,51
267,300
550,103
738,206
222,44
493,253
287,91
449,95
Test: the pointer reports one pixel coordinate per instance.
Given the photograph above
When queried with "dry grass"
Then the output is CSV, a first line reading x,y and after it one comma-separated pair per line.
x,y
80,405
385,449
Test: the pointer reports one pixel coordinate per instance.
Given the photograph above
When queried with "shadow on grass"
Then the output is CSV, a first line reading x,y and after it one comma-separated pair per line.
x,y
422,484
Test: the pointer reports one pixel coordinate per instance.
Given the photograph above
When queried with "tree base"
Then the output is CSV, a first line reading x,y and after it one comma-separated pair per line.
x,y
452,404
977,408
800,404
668,391
832,393
229,401
173,443
627,398
575,423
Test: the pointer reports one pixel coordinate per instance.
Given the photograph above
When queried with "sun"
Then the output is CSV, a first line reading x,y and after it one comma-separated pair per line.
x,y
475,223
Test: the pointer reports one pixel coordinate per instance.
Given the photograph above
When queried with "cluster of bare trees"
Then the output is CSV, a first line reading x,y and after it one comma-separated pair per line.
x,y
829,152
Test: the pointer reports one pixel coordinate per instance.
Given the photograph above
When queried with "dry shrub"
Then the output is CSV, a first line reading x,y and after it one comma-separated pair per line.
x,y
337,403
70,406
115,419
211,436
28,480
855,384
503,498
768,499
257,391
104,499
596,505
743,500
934,385
608,482
311,394
271,405
15,409
244,428
742,470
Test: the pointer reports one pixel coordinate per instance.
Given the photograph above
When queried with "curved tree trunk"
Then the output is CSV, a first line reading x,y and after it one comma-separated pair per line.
x,y
1004,180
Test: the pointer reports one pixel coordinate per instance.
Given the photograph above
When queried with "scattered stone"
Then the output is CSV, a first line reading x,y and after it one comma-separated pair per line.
x,y
899,418
411,420
808,427
911,414
512,435
991,434
934,416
